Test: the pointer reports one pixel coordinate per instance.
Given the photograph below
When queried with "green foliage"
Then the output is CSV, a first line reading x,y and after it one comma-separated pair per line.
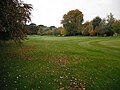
x,y
101,27
41,29
32,29
72,25
72,22
53,30
116,26
14,14
61,31
95,22
110,21
101,30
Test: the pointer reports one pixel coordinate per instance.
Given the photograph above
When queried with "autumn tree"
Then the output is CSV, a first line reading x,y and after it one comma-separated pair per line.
x,y
85,28
116,27
72,22
14,14
91,30
61,31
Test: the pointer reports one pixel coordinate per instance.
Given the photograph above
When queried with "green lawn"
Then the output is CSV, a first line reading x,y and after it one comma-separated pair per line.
x,y
51,63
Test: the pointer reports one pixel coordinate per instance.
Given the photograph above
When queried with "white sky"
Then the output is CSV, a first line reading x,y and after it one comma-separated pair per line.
x,y
50,12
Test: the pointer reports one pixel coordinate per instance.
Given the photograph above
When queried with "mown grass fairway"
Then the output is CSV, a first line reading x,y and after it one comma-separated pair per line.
x,y
51,63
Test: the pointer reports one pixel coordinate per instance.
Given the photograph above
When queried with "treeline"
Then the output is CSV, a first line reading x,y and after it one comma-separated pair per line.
x,y
101,27
73,25
34,29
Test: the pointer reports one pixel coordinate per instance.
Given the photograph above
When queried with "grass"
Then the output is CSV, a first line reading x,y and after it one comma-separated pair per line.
x,y
51,63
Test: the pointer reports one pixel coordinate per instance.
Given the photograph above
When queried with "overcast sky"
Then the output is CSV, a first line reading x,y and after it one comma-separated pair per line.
x,y
50,12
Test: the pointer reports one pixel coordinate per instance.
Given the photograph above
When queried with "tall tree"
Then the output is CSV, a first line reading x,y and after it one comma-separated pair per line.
x,y
95,22
14,14
110,21
72,22
101,29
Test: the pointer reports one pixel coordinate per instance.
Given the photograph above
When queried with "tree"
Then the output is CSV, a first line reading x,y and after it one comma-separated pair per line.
x,y
91,30
110,22
52,30
61,31
116,27
85,28
95,22
41,29
102,28
72,22
32,29
14,14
